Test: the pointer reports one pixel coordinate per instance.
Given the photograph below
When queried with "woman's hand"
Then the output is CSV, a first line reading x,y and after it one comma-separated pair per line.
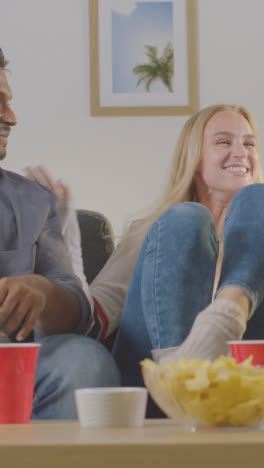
x,y
64,205
41,175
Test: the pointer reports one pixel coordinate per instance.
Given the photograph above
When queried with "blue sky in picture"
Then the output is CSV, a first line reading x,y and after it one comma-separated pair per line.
x,y
151,23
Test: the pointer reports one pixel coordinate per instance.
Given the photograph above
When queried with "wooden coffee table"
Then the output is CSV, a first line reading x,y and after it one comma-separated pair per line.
x,y
159,443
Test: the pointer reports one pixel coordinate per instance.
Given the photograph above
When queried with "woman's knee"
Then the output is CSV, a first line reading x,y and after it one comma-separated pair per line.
x,y
249,198
188,218
245,213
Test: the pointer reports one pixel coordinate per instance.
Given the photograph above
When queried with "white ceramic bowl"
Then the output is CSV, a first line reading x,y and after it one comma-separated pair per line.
x,y
111,406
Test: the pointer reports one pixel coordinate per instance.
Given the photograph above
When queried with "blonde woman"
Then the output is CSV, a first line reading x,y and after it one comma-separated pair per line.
x,y
191,274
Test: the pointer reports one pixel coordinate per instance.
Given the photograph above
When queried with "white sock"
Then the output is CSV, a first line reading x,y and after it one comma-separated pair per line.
x,y
222,321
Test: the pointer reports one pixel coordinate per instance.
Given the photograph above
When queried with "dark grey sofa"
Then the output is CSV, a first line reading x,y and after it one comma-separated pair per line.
x,y
97,242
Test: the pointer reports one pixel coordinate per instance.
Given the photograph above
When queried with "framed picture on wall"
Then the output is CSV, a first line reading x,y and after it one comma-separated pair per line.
x,y
143,57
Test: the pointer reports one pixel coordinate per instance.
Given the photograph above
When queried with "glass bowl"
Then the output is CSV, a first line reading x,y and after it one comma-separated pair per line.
x,y
197,393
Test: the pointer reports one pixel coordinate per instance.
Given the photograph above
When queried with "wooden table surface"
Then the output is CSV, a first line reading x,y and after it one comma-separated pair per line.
x,y
159,443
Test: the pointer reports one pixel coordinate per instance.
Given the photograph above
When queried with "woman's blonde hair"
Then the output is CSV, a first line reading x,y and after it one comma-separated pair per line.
x,y
186,158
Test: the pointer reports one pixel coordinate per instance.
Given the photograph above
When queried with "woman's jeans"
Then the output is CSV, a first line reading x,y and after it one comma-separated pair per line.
x,y
174,276
67,362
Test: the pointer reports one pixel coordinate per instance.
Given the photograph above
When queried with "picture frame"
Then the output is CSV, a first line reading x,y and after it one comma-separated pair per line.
x,y
143,57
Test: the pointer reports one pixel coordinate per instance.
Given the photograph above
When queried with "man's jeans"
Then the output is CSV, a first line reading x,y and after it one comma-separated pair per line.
x,y
174,276
67,362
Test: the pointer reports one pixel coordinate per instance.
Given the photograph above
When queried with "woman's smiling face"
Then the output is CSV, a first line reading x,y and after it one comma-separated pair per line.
x,y
229,158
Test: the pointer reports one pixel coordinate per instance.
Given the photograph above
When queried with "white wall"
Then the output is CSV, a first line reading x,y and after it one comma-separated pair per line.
x,y
115,165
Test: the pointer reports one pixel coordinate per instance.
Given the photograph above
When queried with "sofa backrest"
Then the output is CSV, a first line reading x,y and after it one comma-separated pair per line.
x,y
97,241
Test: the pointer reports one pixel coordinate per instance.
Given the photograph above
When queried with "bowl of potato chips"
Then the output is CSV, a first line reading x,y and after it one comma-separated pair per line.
x,y
198,392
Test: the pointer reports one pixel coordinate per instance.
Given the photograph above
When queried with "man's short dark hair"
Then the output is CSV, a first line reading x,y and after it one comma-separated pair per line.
x,y
3,61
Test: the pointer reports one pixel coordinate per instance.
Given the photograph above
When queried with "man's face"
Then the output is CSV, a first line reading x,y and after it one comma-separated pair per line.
x,y
7,116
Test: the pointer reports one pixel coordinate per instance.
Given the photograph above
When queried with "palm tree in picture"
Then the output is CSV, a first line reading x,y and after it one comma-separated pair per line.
x,y
157,68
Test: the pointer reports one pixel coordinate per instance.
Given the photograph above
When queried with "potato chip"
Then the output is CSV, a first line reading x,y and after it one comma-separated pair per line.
x,y
222,392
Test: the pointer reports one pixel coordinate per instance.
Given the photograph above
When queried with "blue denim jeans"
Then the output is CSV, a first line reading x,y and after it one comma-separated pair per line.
x,y
67,362
174,276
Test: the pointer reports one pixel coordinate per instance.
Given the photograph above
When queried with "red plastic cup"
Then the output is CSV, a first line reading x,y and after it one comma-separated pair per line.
x,y
241,350
17,377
